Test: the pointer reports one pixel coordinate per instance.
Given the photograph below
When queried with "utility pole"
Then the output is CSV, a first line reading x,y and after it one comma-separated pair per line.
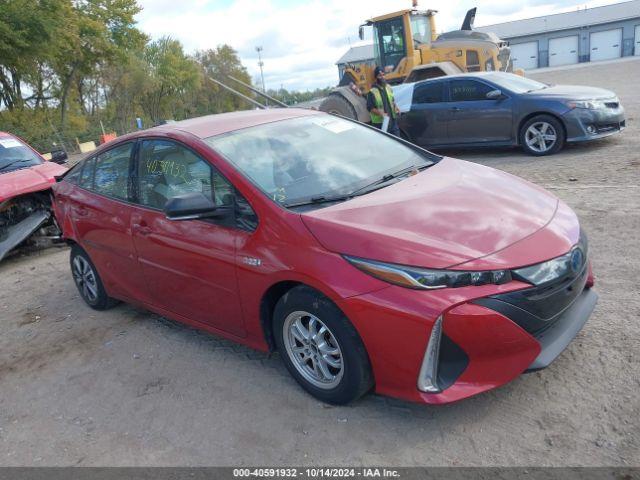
x,y
261,64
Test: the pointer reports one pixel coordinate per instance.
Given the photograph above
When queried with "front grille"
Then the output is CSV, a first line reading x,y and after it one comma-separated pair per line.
x,y
608,127
537,308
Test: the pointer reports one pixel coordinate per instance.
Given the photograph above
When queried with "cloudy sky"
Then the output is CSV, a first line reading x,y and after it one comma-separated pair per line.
x,y
302,39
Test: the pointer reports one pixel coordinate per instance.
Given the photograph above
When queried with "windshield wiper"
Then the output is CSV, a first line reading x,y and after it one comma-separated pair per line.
x,y
4,167
319,200
382,182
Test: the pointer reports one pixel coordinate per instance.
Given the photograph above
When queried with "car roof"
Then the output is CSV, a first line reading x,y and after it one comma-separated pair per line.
x,y
211,125
466,75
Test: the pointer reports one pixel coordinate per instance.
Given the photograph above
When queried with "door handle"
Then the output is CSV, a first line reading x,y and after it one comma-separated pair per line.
x,y
142,228
455,109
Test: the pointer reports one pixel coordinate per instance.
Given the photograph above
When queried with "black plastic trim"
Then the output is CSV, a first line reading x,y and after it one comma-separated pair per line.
x,y
452,362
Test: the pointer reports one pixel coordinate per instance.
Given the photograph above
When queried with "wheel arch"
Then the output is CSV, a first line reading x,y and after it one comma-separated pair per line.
x,y
267,305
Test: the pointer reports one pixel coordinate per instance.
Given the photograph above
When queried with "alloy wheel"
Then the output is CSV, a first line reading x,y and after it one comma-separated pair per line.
x,y
85,279
541,137
313,349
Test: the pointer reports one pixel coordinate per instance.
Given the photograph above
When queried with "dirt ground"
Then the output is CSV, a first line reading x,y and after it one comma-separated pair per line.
x,y
126,387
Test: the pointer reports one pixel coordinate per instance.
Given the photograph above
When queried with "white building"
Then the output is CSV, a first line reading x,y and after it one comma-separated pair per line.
x,y
585,35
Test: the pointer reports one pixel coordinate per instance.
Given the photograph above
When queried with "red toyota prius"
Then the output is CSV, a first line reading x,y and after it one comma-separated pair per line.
x,y
367,262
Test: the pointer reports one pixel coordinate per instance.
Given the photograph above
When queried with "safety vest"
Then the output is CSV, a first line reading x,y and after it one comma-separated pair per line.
x,y
377,96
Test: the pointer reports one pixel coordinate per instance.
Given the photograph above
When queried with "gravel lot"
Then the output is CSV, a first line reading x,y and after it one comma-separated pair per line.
x,y
126,387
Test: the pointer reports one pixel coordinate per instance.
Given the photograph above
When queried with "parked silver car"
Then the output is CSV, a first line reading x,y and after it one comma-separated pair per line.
x,y
502,109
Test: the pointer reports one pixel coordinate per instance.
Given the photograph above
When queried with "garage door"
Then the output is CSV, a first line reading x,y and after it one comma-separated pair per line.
x,y
637,49
606,45
525,55
563,51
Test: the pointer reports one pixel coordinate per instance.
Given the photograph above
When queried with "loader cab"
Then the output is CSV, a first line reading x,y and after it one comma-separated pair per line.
x,y
400,35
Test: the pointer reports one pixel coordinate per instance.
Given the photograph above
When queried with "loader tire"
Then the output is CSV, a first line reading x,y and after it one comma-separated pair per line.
x,y
338,105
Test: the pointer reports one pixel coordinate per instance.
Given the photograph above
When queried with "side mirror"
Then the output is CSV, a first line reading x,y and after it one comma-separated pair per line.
x,y
361,32
59,157
193,206
495,95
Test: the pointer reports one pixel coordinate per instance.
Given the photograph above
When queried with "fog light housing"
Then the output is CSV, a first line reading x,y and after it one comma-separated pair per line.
x,y
428,377
591,129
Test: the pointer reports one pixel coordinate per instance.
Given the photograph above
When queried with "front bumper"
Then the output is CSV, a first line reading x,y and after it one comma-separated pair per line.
x,y
555,339
584,124
487,340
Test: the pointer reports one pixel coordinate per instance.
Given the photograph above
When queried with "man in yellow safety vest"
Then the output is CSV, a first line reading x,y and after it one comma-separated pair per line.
x,y
380,104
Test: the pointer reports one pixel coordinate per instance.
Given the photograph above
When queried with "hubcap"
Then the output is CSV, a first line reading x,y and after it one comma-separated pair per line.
x,y
313,349
541,137
85,279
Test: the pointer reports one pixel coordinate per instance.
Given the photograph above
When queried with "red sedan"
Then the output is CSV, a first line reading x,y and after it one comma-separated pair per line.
x,y
25,199
367,262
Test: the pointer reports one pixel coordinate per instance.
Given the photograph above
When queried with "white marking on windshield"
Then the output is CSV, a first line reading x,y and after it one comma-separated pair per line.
x,y
10,143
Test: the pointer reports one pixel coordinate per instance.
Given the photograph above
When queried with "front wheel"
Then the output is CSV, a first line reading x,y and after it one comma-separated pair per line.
x,y
320,347
542,135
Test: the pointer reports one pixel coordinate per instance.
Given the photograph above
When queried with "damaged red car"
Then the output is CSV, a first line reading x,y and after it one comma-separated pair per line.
x,y
367,262
25,193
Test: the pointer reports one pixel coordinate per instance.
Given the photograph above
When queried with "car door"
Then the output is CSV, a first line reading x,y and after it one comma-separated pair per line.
x,y
426,121
100,209
474,117
189,265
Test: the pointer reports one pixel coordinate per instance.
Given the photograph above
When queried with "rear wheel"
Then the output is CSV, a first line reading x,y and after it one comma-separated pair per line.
x,y
542,135
320,347
88,281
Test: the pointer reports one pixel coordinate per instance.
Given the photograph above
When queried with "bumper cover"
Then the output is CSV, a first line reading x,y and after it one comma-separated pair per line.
x,y
556,338
605,122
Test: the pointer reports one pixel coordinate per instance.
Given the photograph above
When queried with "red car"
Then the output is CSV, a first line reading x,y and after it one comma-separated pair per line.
x,y
367,262
25,200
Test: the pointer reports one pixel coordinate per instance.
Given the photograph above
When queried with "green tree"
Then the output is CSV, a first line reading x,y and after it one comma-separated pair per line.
x,y
221,63
172,76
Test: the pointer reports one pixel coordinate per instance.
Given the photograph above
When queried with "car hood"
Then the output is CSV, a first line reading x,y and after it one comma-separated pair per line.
x,y
573,92
28,180
450,214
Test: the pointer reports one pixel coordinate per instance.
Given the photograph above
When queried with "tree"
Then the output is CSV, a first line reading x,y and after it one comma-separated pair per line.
x,y
31,34
100,32
172,76
221,63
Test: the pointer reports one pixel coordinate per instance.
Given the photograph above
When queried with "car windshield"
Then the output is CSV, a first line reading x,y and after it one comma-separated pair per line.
x,y
515,83
315,157
15,155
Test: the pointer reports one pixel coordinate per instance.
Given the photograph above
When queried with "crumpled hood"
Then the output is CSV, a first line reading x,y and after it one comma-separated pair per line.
x,y
449,214
28,180
573,92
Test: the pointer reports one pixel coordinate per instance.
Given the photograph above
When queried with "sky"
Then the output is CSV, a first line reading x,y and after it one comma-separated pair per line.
x,y
302,39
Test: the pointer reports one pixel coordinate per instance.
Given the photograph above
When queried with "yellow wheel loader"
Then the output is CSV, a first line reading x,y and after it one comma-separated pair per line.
x,y
407,47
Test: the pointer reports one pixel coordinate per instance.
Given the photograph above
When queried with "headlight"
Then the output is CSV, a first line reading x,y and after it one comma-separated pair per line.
x,y
571,263
588,104
426,279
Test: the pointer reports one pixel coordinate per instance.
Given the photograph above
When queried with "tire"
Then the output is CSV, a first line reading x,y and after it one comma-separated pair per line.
x,y
336,340
542,135
335,103
88,282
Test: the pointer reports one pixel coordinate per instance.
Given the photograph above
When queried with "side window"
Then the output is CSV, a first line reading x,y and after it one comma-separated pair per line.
x,y
86,177
429,93
167,169
468,91
112,172
73,176
473,61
